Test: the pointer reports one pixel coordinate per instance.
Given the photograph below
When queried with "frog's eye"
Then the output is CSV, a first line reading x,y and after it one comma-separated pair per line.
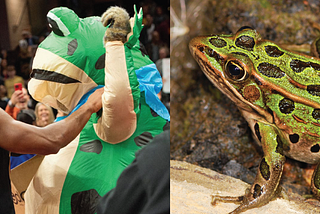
x,y
244,28
235,71
62,21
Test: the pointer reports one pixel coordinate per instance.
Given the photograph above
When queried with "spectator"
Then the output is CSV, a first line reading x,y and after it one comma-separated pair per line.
x,y
31,40
12,79
154,46
18,101
4,71
24,50
3,96
24,54
3,54
163,66
163,52
147,30
25,116
44,115
164,31
159,16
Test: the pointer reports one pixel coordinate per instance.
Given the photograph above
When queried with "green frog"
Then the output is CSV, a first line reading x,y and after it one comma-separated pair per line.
x,y
278,92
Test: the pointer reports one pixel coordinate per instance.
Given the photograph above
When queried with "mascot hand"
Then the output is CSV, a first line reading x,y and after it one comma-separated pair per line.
x,y
117,20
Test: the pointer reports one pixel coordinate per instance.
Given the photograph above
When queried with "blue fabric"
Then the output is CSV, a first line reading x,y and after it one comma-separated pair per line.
x,y
151,83
17,160
82,101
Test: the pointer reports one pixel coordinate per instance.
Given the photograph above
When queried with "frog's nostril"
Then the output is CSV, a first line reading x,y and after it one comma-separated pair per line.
x,y
201,49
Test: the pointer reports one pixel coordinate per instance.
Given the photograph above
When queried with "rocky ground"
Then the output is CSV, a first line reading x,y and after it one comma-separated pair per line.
x,y
191,188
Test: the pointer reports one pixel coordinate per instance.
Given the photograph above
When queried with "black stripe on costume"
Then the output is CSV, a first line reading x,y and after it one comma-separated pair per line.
x,y
52,76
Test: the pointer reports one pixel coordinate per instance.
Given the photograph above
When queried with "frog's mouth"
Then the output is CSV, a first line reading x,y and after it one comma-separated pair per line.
x,y
52,76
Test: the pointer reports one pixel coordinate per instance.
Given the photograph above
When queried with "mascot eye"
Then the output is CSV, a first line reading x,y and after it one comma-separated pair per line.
x,y
63,21
235,71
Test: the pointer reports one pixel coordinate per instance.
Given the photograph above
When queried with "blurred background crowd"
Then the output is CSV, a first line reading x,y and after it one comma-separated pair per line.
x,y
20,38
23,25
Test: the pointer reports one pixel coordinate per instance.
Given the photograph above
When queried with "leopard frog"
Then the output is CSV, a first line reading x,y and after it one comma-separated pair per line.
x,y
278,92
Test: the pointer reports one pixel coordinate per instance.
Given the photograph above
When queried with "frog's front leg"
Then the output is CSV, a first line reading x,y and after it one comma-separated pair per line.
x,y
270,170
315,182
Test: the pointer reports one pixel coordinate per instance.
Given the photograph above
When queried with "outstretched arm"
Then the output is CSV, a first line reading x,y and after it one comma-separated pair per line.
x,y
119,119
19,137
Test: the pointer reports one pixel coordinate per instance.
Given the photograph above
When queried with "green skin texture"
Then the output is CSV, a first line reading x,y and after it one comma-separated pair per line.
x,y
270,126
100,171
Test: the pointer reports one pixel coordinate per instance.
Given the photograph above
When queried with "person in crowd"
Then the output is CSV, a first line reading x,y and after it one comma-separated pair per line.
x,y
4,71
41,116
164,31
19,100
144,186
12,79
20,137
24,55
29,38
26,116
164,63
44,115
154,46
146,33
3,95
159,15
163,52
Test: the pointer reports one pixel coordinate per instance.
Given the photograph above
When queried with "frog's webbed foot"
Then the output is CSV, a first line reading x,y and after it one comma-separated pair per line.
x,y
246,201
117,20
266,184
242,200
226,199
315,182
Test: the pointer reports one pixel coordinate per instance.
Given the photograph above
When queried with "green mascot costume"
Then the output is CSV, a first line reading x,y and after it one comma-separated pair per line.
x,y
79,56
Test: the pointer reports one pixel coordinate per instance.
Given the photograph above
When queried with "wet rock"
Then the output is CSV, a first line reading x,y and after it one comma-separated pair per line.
x,y
191,188
236,170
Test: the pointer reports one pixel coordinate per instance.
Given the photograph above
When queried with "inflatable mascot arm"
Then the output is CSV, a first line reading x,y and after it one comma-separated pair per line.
x,y
118,121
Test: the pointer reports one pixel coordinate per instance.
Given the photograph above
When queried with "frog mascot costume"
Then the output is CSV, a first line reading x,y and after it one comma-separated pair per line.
x,y
79,56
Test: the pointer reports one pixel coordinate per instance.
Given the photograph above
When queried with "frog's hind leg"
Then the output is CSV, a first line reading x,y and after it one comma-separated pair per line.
x,y
315,182
270,170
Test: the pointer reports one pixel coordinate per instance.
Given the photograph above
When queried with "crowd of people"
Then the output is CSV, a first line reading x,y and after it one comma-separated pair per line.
x,y
16,67
155,36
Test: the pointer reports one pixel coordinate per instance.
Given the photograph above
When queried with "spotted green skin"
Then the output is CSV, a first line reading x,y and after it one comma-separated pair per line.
x,y
278,92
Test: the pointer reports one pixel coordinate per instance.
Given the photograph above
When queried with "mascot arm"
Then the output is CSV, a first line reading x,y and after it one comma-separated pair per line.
x,y
121,91
118,120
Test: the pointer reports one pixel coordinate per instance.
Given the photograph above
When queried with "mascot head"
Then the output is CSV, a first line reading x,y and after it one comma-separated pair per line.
x,y
71,60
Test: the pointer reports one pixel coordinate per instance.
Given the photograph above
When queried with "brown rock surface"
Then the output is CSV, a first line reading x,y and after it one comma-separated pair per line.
x,y
191,187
